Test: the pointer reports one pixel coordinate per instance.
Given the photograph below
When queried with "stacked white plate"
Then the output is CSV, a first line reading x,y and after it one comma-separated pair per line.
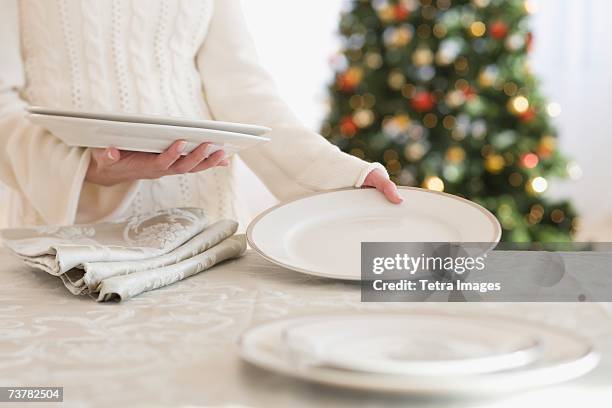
x,y
424,353
144,133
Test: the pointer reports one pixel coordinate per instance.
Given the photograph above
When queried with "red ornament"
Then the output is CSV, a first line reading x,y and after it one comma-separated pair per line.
x,y
349,80
348,127
530,160
423,101
400,12
528,115
345,84
468,92
498,30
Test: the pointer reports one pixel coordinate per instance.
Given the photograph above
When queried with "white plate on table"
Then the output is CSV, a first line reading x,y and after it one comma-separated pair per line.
x,y
321,234
141,137
154,119
410,344
564,357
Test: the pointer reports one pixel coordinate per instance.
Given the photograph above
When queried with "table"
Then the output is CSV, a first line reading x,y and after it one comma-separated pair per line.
x,y
177,346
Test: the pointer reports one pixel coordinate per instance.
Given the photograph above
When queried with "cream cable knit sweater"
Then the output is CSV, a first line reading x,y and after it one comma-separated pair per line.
x,y
189,58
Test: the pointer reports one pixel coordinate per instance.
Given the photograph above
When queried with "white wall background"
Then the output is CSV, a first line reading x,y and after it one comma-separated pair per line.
x,y
295,40
573,57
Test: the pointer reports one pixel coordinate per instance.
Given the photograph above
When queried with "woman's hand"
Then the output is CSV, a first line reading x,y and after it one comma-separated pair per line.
x,y
111,166
379,181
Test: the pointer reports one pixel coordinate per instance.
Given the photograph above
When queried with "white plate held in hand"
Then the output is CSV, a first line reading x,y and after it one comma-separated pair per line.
x,y
321,234
141,137
153,120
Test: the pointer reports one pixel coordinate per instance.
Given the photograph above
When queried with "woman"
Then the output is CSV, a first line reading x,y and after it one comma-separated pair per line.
x,y
190,58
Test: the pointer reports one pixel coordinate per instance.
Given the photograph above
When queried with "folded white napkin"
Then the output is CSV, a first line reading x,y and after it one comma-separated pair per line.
x,y
119,260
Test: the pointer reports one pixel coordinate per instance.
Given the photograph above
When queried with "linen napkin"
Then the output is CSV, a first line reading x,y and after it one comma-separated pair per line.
x,y
155,248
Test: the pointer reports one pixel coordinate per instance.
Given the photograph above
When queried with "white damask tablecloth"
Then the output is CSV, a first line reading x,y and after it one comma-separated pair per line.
x,y
176,346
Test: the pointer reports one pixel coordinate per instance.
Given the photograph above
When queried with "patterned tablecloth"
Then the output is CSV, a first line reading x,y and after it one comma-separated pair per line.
x,y
177,346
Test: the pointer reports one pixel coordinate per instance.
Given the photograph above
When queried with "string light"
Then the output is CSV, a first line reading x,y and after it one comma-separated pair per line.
x,y
519,104
434,183
363,118
539,184
530,6
553,109
574,171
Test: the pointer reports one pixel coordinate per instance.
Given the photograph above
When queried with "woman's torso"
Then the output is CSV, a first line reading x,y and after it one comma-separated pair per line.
x,y
127,56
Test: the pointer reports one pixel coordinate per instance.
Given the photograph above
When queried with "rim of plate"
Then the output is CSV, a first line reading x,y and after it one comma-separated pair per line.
x,y
249,232
86,114
591,357
153,125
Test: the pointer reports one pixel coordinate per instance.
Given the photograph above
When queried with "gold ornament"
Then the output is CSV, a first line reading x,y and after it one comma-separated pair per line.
x,y
389,155
449,122
488,76
478,29
422,56
395,125
494,163
396,79
439,30
403,35
455,98
455,154
557,216
386,14
393,167
363,118
351,78
547,146
373,60
430,120
414,151
510,88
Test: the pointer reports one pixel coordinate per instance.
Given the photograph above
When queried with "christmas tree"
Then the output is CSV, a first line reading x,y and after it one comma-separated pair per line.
x,y
441,93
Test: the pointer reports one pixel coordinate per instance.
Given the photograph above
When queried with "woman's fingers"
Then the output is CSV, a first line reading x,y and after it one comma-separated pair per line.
x,y
171,155
110,166
379,181
389,189
187,163
215,159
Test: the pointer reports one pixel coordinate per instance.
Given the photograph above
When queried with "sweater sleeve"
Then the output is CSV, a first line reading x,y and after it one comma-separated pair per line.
x,y
296,160
47,173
